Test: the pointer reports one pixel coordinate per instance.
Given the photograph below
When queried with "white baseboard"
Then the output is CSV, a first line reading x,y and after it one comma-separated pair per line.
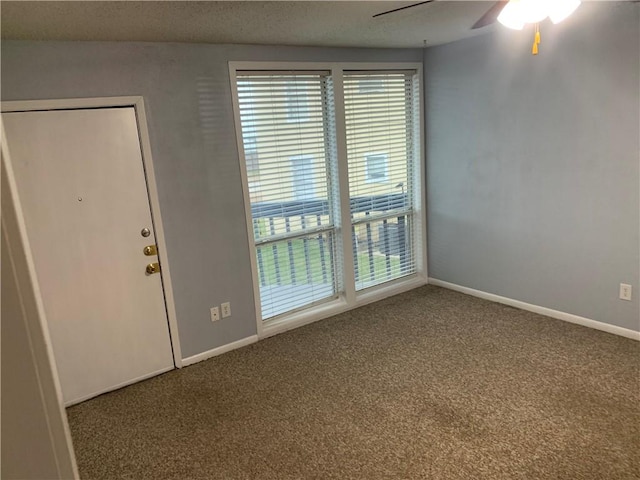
x,y
219,351
567,317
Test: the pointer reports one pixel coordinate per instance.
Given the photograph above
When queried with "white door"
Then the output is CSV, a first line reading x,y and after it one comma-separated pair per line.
x,y
82,187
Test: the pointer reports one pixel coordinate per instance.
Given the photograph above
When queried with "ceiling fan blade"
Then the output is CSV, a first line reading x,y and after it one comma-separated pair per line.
x,y
401,8
491,16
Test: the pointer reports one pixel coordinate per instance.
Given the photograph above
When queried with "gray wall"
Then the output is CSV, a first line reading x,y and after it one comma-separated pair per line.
x,y
532,163
188,100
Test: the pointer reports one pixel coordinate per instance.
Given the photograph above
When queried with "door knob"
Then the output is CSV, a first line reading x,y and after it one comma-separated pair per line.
x,y
153,268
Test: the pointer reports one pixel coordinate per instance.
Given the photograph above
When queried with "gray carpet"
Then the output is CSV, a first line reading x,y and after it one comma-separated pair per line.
x,y
428,384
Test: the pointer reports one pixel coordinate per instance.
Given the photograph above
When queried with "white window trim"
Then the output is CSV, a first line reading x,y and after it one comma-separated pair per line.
x,y
349,299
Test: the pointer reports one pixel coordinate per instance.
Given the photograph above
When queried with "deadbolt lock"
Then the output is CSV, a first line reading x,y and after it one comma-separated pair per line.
x,y
153,268
150,250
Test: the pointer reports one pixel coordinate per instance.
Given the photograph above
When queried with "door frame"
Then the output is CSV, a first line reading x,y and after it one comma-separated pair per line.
x,y
137,102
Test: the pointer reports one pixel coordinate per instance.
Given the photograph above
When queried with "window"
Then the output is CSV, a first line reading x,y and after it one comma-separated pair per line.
x,y
377,168
381,191
293,221
297,103
370,85
337,210
303,177
251,153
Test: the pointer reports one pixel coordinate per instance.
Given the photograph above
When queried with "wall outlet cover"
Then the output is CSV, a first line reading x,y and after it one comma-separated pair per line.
x,y
625,291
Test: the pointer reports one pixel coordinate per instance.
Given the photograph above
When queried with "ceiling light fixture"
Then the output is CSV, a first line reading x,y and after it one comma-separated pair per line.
x,y
517,13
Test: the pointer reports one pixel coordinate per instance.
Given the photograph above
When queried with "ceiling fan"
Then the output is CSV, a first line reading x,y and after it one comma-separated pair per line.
x,y
516,13
487,19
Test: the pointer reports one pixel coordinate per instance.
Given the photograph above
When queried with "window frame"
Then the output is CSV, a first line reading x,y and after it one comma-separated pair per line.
x,y
348,298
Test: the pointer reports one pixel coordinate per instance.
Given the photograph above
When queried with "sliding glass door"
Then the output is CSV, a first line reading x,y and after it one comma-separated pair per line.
x,y
289,186
380,118
293,124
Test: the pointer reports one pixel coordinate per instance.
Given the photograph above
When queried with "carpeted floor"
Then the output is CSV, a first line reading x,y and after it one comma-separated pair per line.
x,y
429,384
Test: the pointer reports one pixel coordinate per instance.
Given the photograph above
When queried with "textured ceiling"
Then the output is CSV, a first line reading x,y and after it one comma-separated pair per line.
x,y
311,23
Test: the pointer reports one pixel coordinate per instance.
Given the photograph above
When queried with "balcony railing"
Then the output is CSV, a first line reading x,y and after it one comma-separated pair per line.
x,y
381,253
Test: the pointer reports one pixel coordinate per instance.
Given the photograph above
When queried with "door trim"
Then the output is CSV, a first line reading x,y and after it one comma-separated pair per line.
x,y
137,102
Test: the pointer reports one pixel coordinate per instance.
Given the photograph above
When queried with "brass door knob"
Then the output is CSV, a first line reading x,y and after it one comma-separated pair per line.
x,y
153,268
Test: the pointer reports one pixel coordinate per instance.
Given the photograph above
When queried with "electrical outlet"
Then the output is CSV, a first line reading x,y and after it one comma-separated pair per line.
x,y
215,314
625,291
226,309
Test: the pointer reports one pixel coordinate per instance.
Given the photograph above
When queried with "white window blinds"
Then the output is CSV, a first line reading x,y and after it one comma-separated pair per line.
x,y
284,117
381,112
307,152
